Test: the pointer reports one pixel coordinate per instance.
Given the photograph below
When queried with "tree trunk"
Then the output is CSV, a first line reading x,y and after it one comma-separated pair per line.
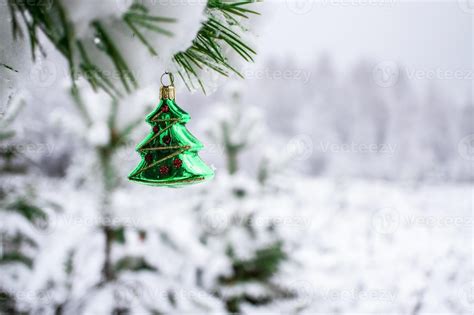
x,y
232,163
109,184
107,269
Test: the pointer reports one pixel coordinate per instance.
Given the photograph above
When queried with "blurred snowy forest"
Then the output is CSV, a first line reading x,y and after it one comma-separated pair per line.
x,y
335,192
352,125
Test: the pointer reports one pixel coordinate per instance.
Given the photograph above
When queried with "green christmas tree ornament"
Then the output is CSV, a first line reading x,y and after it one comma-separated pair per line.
x,y
170,152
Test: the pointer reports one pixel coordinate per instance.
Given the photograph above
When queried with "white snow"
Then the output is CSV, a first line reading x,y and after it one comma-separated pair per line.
x,y
83,13
364,247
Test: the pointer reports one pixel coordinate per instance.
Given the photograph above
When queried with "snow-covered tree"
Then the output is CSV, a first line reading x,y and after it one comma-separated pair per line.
x,y
234,127
120,45
244,225
355,127
23,220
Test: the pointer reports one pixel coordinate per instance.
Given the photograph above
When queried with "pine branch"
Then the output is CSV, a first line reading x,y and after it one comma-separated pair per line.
x,y
136,19
206,50
30,212
109,47
133,263
16,257
4,135
54,23
261,267
94,75
8,67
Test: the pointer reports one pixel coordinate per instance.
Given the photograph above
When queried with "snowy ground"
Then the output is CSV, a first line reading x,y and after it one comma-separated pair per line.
x,y
377,247
363,247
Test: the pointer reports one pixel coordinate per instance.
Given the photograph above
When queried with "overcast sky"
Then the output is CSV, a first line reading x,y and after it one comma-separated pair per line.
x,y
420,35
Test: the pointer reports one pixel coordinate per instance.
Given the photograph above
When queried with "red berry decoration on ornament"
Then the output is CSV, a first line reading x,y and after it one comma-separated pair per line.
x,y
149,158
177,163
167,139
156,129
164,170
165,109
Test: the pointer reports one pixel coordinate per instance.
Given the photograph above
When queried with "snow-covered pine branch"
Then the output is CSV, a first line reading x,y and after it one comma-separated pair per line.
x,y
120,45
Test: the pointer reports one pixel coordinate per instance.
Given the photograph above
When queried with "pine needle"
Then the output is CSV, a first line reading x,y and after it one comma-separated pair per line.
x,y
214,35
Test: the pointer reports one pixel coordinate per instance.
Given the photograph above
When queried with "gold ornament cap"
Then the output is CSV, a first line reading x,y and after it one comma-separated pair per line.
x,y
167,91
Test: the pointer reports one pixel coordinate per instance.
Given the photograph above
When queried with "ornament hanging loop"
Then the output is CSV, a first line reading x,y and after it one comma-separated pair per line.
x,y
171,77
167,91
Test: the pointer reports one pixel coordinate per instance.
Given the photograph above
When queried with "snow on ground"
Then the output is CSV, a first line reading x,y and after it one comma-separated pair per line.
x,y
377,247
365,247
